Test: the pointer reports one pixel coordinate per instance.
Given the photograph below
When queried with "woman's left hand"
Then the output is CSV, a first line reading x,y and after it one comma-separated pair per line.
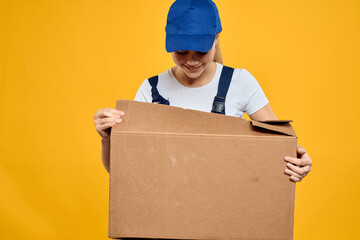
x,y
299,167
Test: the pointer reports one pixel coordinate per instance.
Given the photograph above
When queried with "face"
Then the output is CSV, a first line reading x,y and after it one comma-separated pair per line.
x,y
194,63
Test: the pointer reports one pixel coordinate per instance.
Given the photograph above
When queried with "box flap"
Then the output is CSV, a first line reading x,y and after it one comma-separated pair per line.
x,y
281,126
169,119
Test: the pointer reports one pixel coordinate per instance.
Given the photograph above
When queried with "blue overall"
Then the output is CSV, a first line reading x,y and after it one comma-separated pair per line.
x,y
219,100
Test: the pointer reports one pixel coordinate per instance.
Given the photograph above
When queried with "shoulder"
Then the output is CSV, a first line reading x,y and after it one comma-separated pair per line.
x,y
244,83
243,77
144,91
161,77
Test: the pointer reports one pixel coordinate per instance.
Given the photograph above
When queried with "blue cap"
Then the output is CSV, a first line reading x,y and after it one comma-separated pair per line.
x,y
192,25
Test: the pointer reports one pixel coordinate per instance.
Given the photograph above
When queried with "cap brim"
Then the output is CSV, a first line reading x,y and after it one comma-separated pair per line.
x,y
201,43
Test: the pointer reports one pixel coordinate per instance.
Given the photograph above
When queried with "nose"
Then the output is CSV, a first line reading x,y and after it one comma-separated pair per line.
x,y
192,59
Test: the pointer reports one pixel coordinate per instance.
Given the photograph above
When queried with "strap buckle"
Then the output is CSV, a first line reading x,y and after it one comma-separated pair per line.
x,y
218,105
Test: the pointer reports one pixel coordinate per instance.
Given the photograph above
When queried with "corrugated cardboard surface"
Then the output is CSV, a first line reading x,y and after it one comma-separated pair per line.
x,y
185,174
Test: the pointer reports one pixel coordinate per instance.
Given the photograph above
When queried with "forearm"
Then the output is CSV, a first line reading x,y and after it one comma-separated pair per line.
x,y
105,152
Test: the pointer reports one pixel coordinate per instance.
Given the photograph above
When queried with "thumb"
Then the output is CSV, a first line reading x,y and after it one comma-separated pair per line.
x,y
301,151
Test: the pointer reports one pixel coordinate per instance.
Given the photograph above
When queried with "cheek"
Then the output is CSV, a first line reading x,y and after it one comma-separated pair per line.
x,y
208,58
177,59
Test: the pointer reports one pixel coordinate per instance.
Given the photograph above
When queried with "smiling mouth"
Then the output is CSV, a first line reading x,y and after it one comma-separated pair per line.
x,y
192,69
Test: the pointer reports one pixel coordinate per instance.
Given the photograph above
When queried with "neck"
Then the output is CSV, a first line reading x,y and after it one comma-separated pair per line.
x,y
202,80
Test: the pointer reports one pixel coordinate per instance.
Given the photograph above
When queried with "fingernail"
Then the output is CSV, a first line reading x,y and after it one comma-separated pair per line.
x,y
288,164
118,120
286,158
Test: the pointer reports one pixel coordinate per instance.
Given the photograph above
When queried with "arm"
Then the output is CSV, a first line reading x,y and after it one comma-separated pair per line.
x,y
104,119
298,167
105,153
114,116
265,113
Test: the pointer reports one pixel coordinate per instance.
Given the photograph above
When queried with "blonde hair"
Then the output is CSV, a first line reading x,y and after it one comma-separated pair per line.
x,y
218,56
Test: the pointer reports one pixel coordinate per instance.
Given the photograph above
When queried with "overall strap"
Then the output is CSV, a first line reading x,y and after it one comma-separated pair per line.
x,y
156,97
224,83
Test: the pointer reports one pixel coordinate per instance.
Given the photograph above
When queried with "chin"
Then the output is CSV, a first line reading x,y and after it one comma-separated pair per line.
x,y
194,74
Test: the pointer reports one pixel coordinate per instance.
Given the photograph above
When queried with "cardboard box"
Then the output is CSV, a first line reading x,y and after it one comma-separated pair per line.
x,y
186,174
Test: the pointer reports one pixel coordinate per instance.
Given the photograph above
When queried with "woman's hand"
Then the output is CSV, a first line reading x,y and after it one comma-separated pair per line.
x,y
105,118
299,167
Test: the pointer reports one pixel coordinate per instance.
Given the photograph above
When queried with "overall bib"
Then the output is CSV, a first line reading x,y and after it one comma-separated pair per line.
x,y
219,100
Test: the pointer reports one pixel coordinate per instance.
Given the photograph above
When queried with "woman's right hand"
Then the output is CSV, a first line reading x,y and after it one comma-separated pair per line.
x,y
105,118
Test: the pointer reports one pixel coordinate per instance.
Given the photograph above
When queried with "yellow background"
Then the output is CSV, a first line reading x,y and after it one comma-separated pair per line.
x,y
62,60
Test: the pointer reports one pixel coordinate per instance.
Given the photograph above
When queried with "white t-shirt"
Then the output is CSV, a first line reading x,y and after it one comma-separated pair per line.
x,y
244,94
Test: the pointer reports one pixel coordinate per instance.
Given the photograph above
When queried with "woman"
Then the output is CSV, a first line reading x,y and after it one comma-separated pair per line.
x,y
192,36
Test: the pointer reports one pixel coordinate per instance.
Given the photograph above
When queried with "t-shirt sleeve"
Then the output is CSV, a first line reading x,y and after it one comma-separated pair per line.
x,y
144,92
255,96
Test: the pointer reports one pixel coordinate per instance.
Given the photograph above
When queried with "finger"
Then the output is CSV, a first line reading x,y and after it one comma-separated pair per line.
x,y
104,126
299,161
302,153
116,111
298,170
107,120
307,169
104,112
291,173
108,113
295,179
98,114
305,155
301,150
